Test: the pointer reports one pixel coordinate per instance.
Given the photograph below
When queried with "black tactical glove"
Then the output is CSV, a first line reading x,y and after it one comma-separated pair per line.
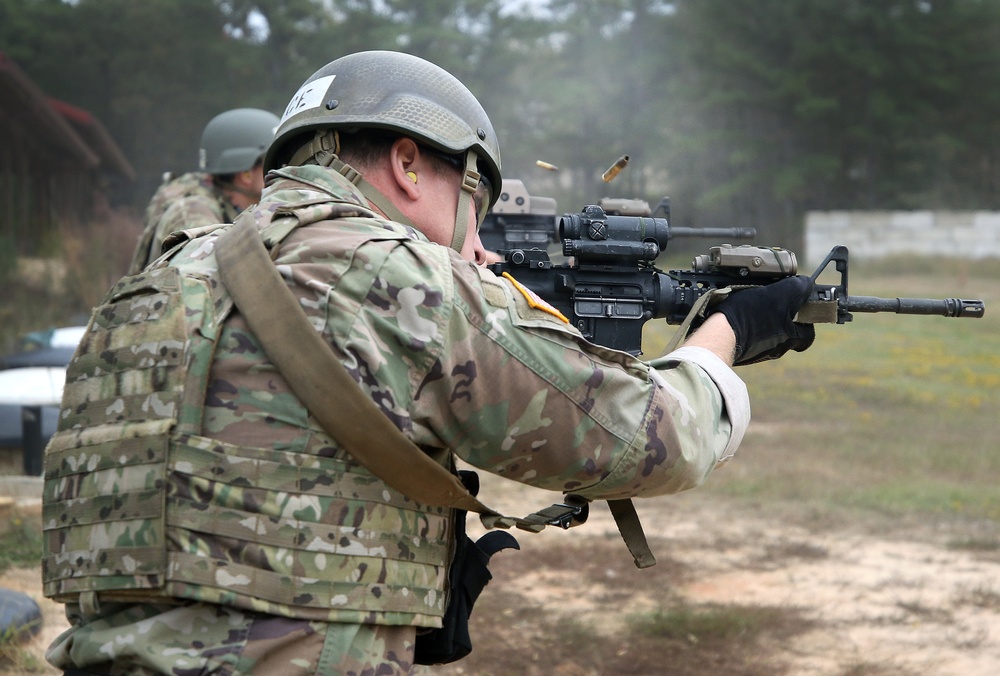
x,y
761,318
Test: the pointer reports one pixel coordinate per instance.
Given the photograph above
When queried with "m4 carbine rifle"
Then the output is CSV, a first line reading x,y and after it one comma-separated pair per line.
x,y
611,285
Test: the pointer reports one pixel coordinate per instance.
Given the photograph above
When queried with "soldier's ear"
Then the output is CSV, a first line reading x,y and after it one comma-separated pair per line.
x,y
244,178
403,159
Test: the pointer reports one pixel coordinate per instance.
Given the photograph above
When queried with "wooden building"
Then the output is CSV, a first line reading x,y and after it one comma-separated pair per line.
x,y
56,162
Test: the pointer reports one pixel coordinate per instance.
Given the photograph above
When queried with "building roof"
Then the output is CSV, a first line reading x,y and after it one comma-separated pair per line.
x,y
52,130
96,137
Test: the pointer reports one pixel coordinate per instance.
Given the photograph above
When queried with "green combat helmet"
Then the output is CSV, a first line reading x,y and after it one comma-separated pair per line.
x,y
235,140
399,93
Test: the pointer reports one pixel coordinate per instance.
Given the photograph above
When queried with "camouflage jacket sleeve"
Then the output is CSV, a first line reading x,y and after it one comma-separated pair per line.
x,y
461,359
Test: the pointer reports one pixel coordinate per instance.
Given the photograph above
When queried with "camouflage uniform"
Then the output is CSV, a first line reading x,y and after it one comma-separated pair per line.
x,y
188,201
270,529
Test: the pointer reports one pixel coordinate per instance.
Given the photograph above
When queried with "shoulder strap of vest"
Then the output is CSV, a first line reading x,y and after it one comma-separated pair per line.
x,y
317,377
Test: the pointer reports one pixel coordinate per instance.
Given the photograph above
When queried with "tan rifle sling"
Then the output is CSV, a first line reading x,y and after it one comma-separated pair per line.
x,y
317,378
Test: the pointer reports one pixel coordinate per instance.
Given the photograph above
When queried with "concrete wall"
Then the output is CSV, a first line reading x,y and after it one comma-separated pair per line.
x,y
876,234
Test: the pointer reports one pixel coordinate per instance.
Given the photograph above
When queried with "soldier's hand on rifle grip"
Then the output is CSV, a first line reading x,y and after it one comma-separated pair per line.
x,y
761,318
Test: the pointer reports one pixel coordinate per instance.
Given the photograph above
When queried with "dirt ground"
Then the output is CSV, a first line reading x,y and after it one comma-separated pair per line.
x,y
816,596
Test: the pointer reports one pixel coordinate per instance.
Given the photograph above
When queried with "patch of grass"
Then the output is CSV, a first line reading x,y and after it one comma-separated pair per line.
x,y
700,624
886,415
680,640
982,596
975,544
915,494
21,545
83,262
873,669
948,271
516,630
797,550
924,613
14,659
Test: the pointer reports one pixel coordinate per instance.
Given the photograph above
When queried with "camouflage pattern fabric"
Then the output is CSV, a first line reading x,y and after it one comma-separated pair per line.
x,y
138,504
457,358
202,639
187,201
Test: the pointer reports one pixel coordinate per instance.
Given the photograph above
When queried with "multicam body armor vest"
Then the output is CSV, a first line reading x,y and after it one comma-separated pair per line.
x,y
138,505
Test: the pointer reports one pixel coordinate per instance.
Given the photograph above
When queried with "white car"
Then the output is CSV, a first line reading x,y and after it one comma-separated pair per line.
x,y
32,385
35,377
65,336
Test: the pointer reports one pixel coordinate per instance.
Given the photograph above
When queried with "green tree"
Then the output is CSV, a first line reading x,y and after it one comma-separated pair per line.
x,y
493,50
746,112
592,90
782,106
297,37
153,72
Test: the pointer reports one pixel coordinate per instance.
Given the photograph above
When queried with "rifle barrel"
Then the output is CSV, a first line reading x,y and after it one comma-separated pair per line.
x,y
732,233
945,307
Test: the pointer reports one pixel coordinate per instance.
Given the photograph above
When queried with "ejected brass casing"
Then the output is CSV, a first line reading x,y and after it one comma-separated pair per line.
x,y
610,174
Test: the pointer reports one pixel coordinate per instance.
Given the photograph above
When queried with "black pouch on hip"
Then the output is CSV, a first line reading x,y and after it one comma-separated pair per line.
x,y
469,575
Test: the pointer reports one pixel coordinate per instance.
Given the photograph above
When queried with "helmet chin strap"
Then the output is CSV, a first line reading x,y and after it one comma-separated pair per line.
x,y
324,148
246,192
470,182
